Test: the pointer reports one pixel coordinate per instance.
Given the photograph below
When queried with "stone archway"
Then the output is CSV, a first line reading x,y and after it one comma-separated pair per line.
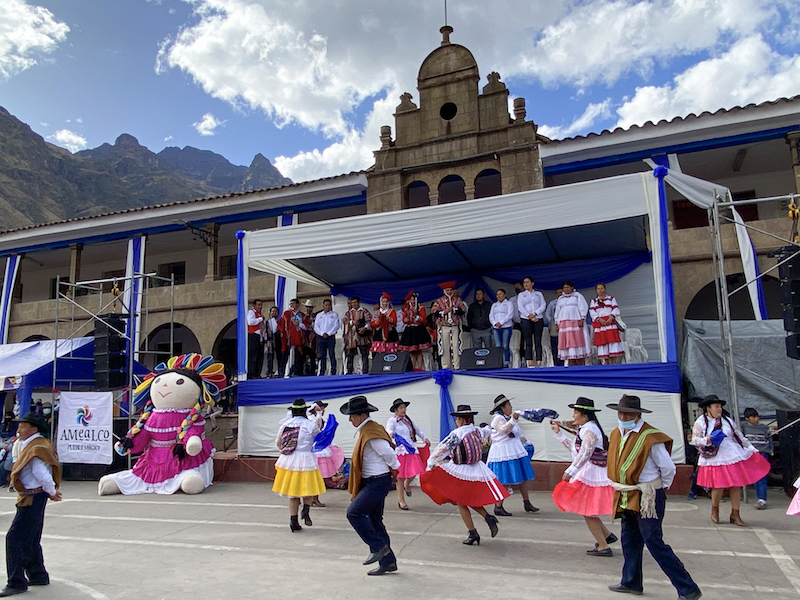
x,y
224,349
157,344
452,189
488,183
417,195
35,338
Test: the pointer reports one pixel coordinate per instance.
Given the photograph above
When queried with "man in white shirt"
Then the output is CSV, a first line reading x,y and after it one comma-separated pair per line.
x,y
255,340
326,324
640,469
36,476
372,469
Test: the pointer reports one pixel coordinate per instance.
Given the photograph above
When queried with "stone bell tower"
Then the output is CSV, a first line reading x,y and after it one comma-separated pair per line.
x,y
459,144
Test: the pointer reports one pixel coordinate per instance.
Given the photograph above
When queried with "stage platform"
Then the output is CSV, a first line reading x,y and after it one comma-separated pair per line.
x,y
229,467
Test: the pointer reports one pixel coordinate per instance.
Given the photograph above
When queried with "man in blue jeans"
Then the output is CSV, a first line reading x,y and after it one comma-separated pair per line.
x,y
372,468
759,436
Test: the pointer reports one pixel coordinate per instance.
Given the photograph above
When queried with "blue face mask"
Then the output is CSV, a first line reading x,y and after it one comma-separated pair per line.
x,y
628,425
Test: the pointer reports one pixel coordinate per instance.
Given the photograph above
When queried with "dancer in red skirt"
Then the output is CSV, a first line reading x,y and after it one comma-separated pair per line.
x,y
464,480
405,434
727,458
585,488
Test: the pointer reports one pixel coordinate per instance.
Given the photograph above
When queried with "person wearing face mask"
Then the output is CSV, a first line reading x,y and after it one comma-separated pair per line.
x,y
640,469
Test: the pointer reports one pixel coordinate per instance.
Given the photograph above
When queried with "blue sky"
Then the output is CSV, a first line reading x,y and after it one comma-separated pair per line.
x,y
309,85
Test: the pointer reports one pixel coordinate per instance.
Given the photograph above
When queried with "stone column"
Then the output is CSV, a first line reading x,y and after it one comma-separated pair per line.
x,y
76,250
212,263
469,191
434,197
793,139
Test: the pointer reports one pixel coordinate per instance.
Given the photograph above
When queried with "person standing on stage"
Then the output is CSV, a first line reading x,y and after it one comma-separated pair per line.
x,y
480,327
405,434
552,329
501,316
570,317
604,312
508,459
465,480
294,328
357,334
372,467
36,476
584,488
415,337
272,343
640,469
297,473
255,340
326,324
384,326
531,308
449,310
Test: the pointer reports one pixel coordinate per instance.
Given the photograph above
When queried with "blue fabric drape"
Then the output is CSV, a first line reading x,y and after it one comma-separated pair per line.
x,y
242,271
447,423
584,273
670,334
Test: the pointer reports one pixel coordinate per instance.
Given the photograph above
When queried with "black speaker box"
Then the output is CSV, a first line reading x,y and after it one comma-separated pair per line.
x,y
790,292
789,441
793,346
791,318
390,363
476,359
790,270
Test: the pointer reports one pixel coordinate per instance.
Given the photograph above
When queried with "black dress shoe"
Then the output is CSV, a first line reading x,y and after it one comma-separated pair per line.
x,y
383,570
595,552
693,596
9,591
611,538
376,556
623,590
529,507
39,582
499,511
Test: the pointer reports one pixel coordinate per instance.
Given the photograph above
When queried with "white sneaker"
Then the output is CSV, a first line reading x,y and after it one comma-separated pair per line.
x,y
761,505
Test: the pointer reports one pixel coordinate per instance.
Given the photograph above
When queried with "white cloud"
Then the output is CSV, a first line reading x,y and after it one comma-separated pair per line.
x,y
168,138
750,72
68,139
582,124
208,124
26,32
79,120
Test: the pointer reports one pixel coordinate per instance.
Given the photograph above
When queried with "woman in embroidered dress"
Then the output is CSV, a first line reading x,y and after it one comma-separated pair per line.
x,y
384,326
570,317
508,459
415,337
727,458
464,480
604,312
329,456
405,434
296,471
585,488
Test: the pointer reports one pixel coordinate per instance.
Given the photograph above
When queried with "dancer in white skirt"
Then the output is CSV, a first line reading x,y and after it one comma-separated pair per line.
x,y
405,434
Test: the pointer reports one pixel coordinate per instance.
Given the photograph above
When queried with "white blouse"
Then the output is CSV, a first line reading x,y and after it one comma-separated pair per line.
x,y
508,442
477,472
302,459
729,451
591,438
603,307
571,307
395,426
503,313
531,303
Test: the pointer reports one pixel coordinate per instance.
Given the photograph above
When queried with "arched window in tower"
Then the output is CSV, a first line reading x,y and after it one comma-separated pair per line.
x,y
452,189
418,194
488,183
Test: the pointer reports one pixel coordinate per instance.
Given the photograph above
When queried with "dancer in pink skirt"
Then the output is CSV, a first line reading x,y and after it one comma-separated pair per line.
x,y
585,488
727,458
329,456
794,506
405,434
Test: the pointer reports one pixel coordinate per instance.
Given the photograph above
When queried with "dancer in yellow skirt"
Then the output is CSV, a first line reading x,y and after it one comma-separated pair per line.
x,y
297,473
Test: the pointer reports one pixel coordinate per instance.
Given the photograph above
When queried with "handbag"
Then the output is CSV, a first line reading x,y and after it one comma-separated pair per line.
x,y
620,324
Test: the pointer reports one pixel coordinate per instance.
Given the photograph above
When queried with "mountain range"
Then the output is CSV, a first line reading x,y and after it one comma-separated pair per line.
x,y
43,183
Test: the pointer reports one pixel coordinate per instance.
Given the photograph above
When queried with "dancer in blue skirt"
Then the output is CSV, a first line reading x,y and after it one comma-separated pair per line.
x,y
508,459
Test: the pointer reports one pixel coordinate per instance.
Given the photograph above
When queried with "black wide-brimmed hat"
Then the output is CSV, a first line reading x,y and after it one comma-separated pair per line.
x,y
299,404
321,404
629,404
498,402
709,400
586,404
357,405
37,421
398,403
463,410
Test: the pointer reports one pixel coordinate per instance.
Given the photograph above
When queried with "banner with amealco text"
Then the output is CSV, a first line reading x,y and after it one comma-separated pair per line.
x,y
85,421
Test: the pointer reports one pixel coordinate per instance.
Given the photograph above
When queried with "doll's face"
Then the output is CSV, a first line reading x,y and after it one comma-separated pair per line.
x,y
174,390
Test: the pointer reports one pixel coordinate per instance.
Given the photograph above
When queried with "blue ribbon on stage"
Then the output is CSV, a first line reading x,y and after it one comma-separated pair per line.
x,y
652,377
325,437
447,423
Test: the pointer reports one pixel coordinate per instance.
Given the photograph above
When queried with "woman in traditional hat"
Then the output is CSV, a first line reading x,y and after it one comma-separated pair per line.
x,y
464,480
384,326
296,471
405,434
415,337
329,456
727,458
585,488
508,459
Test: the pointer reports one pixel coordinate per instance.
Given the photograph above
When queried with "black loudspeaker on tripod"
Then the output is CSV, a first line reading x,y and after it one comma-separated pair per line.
x,y
789,273
789,440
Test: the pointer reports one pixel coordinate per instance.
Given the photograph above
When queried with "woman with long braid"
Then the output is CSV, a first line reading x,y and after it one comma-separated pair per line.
x,y
405,434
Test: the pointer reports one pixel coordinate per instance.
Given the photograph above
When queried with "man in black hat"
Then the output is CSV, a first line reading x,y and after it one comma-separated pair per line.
x,y
36,476
640,469
373,465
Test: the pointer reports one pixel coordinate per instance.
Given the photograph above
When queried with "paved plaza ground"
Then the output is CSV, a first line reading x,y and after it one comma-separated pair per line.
x,y
233,542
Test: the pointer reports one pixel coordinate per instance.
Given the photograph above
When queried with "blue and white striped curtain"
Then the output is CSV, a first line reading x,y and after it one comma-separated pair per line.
x,y
12,268
132,298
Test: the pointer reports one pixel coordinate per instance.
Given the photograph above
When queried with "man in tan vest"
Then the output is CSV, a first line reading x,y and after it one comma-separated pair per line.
x,y
640,469
36,476
373,466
